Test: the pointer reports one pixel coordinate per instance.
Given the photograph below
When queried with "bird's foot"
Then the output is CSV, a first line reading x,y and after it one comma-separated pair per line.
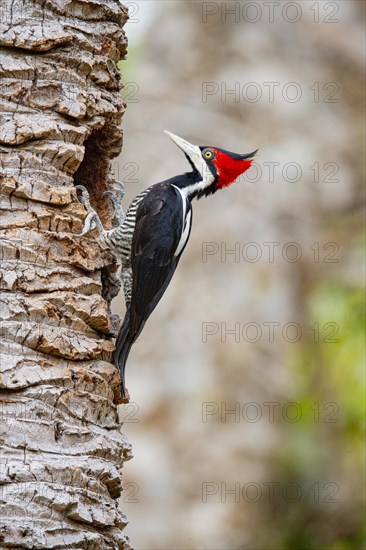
x,y
92,220
116,199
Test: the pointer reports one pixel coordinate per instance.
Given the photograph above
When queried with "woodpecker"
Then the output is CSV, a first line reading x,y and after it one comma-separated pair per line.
x,y
152,236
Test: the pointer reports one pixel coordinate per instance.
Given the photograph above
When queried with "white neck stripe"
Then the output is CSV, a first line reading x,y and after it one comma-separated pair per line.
x,y
207,176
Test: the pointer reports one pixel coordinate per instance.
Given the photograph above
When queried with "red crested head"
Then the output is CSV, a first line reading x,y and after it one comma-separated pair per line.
x,y
229,166
213,168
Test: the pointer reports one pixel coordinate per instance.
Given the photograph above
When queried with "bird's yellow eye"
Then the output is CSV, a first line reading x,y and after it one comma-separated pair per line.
x,y
208,154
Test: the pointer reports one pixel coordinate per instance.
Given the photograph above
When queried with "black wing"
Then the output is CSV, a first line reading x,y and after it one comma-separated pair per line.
x,y
158,231
158,242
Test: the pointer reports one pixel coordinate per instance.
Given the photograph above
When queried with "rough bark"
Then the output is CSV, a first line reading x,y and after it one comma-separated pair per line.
x,y
60,111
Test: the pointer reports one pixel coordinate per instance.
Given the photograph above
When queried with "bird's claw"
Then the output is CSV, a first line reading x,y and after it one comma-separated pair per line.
x,y
92,220
84,193
116,199
121,190
89,224
120,193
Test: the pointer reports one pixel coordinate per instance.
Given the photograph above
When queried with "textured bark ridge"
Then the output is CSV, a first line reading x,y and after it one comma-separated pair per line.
x,y
60,111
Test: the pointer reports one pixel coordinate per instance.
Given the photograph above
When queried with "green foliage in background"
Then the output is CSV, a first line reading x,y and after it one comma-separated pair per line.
x,y
327,443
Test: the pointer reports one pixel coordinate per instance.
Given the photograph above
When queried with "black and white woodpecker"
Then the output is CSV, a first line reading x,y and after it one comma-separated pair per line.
x,y
152,236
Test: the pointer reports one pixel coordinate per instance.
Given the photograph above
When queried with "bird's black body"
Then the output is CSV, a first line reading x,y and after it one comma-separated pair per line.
x,y
156,230
155,252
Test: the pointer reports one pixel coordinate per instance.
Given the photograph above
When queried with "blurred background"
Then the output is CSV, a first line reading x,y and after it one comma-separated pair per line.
x,y
247,383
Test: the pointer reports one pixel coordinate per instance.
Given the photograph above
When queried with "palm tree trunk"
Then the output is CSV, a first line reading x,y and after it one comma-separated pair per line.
x,y
60,109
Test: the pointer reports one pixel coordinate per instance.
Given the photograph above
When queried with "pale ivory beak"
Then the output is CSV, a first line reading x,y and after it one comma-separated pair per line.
x,y
193,151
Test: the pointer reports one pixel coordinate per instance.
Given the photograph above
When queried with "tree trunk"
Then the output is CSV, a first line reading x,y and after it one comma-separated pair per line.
x,y
62,449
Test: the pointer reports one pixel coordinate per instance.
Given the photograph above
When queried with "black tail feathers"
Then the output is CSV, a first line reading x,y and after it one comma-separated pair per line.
x,y
122,349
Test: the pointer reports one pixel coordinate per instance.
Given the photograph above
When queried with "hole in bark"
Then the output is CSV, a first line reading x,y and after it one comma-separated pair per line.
x,y
93,173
